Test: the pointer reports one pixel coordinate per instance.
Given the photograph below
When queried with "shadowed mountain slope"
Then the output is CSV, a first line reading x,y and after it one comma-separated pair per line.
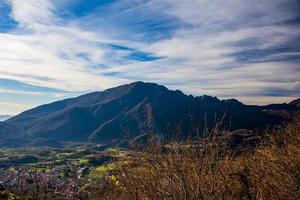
x,y
136,109
296,103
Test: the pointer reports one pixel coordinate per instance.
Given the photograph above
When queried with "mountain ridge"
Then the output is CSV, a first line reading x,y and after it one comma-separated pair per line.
x,y
136,109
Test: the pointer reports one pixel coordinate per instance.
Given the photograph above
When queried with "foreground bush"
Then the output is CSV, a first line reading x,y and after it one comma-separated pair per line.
x,y
208,170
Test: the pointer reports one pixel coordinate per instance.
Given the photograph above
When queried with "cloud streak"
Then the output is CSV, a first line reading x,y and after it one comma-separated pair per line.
x,y
243,49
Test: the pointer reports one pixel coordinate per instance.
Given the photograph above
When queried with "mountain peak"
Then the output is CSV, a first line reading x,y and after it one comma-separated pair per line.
x,y
147,85
138,85
137,108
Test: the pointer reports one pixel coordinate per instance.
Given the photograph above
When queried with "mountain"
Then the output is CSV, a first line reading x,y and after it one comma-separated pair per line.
x,y
136,109
10,135
4,117
285,111
295,103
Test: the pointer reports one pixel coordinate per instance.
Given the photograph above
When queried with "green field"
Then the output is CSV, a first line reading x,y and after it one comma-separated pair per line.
x,y
43,159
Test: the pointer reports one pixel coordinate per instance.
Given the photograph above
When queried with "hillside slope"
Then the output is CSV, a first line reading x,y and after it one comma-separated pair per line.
x,y
136,109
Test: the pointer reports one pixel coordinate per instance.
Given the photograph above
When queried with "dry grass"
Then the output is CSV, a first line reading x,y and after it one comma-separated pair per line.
x,y
206,170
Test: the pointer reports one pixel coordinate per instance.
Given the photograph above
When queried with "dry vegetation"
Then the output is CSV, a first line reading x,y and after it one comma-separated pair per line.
x,y
208,170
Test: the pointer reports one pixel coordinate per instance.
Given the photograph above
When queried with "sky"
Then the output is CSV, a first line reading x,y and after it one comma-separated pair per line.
x,y
56,49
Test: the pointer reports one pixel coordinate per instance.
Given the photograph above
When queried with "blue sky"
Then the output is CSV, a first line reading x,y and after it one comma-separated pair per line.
x,y
54,49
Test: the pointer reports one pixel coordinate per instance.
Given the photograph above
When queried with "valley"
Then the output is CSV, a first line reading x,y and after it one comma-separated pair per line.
x,y
57,172
44,159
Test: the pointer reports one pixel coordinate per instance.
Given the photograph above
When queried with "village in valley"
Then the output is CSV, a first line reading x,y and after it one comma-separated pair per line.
x,y
62,172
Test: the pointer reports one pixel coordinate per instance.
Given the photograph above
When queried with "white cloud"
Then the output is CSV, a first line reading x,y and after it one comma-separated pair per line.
x,y
198,57
12,108
49,55
32,13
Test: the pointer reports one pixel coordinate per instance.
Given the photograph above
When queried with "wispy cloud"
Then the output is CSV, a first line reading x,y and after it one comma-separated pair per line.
x,y
12,108
238,48
45,50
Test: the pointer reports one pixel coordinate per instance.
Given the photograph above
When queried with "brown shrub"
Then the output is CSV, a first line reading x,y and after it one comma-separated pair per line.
x,y
205,170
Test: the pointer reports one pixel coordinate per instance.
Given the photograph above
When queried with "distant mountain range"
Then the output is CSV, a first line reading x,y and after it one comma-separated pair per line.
x,y
135,109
